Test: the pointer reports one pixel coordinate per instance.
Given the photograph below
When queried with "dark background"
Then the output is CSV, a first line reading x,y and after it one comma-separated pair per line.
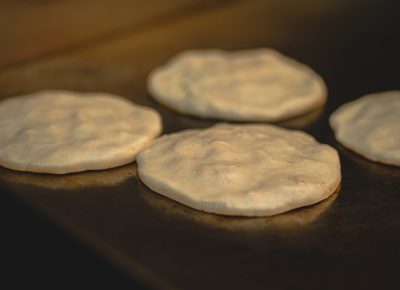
x,y
111,46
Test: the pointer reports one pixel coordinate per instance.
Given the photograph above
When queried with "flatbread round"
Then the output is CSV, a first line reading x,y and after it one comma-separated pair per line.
x,y
245,170
249,85
61,132
370,126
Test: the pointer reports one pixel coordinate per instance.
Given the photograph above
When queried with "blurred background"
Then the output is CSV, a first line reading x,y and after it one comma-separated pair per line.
x,y
100,45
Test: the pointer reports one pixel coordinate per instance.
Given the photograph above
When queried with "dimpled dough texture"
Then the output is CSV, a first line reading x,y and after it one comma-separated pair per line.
x,y
370,126
61,132
246,170
250,85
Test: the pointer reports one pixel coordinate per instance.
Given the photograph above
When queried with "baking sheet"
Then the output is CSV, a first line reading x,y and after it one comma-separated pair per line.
x,y
349,241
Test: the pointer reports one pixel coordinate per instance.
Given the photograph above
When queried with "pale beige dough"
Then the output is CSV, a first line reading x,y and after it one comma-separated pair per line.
x,y
245,170
62,132
249,85
370,126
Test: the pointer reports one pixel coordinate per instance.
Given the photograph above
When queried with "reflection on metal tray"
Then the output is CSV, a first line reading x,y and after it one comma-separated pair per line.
x,y
350,241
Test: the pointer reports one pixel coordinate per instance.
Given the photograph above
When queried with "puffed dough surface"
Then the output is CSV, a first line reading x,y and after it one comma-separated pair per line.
x,y
62,132
244,170
248,85
370,126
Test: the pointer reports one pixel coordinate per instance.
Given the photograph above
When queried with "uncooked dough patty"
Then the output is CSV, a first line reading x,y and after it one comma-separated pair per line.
x,y
370,126
62,132
249,170
249,85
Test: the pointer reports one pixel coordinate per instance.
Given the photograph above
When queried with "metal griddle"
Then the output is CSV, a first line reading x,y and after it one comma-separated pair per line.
x,y
349,241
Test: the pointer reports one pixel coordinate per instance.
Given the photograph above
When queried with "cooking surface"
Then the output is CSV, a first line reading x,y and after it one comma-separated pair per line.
x,y
350,241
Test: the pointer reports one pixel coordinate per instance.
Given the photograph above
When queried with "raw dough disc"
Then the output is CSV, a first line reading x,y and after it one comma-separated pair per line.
x,y
249,85
61,131
248,170
370,126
